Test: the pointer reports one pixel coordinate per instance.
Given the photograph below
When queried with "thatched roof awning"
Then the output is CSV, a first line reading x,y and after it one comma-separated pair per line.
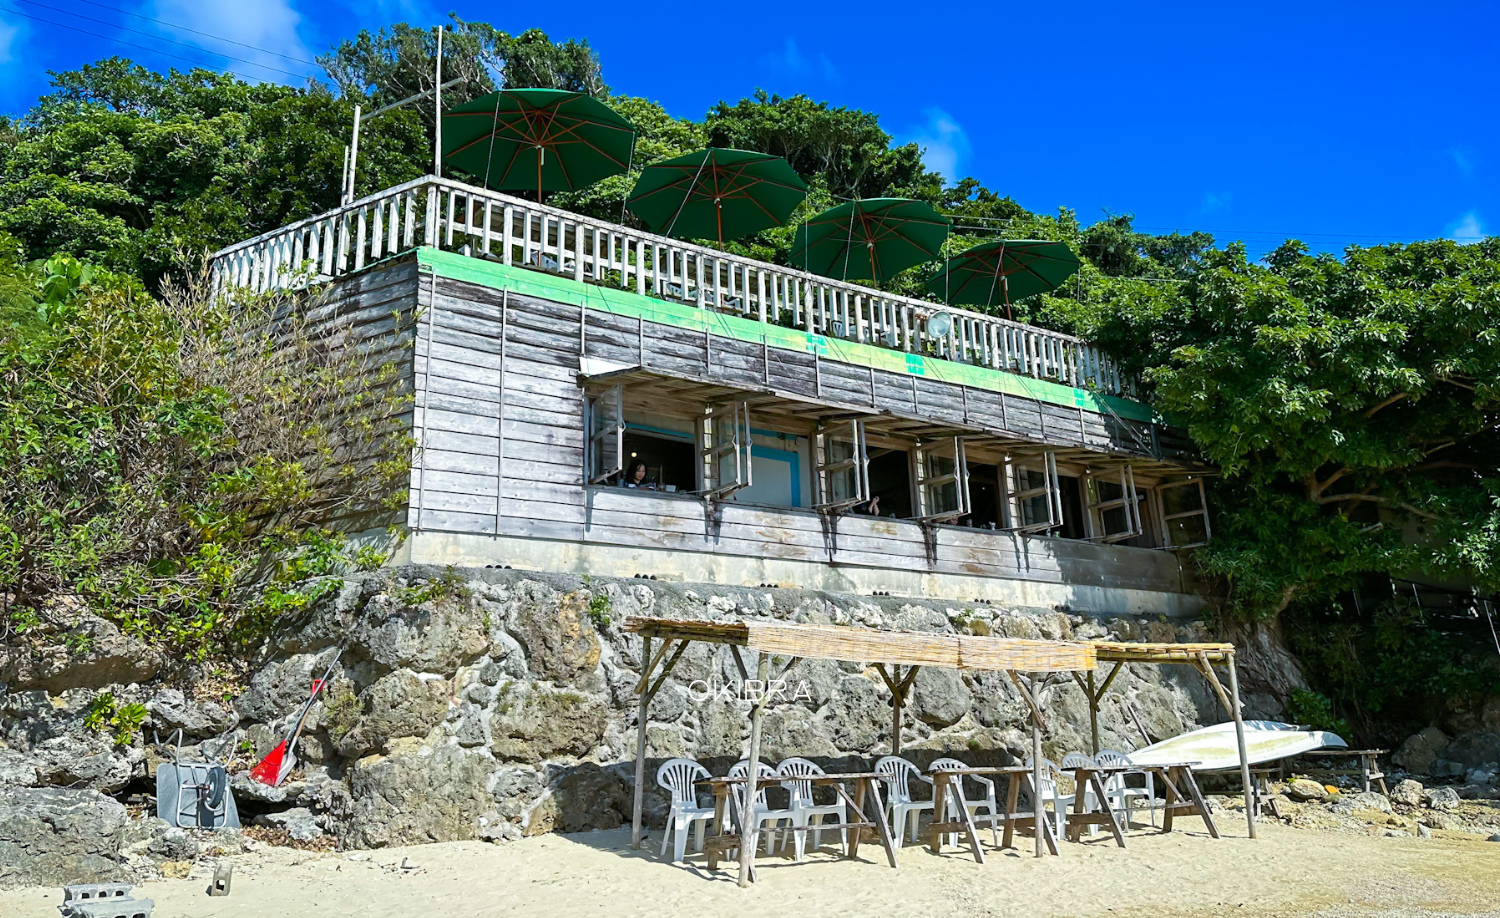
x,y
867,645
1123,652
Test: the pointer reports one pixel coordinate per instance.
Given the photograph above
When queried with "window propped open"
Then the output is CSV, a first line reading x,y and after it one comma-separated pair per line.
x,y
1184,514
940,480
840,467
724,444
1033,500
1113,511
604,419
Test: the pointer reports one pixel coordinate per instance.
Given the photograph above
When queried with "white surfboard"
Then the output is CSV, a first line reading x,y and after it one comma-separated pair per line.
x,y
1215,748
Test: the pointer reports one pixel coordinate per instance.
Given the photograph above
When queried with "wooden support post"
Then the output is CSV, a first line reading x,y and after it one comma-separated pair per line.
x,y
900,687
749,838
1039,810
1093,711
1239,736
1207,668
640,746
896,704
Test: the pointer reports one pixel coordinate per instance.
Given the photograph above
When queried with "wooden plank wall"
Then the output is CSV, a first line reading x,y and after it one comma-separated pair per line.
x,y
502,446
374,312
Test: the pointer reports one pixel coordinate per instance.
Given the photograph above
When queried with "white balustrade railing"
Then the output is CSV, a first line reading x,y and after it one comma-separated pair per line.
x,y
456,217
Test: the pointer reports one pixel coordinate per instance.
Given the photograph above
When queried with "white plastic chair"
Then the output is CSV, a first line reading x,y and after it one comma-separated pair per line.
x,y
1081,760
679,777
1121,794
762,813
974,805
804,808
1052,794
898,773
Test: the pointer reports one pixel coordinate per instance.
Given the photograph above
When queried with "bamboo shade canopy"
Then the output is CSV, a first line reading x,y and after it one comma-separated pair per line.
x,y
1123,652
866,645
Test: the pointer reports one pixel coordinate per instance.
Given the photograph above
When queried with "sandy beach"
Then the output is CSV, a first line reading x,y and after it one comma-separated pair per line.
x,y
1286,872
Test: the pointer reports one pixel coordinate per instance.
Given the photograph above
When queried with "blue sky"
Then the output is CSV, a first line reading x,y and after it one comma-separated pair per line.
x,y
1337,123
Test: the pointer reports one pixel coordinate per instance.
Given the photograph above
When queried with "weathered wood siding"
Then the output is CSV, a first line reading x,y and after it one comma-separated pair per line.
x,y
373,312
499,419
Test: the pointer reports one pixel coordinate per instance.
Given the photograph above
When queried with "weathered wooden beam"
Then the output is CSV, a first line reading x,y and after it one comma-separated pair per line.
x,y
666,670
1208,673
640,752
750,839
1239,737
1031,702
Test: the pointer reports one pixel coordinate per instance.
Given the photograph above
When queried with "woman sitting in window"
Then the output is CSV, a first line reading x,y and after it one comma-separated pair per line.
x,y
635,477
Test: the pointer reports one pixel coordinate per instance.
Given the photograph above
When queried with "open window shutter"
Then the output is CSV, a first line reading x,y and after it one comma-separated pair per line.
x,y
724,444
1114,509
840,467
940,480
605,422
1184,514
1033,494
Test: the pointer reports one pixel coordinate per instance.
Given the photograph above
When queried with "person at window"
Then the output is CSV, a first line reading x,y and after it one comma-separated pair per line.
x,y
870,507
635,477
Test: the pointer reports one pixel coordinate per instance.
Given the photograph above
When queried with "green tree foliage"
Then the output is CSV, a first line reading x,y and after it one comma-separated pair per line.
x,y
168,463
129,169
391,64
1352,404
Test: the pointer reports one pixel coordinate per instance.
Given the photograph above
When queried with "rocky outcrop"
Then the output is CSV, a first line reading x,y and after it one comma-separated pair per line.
x,y
47,833
491,703
416,795
401,704
95,653
1421,750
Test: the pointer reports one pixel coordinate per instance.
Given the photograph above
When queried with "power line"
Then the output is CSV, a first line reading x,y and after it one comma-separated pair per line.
x,y
228,57
173,25
128,44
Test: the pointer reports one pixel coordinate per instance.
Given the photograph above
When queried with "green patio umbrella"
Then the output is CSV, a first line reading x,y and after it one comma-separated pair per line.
x,y
716,194
873,238
546,139
1003,271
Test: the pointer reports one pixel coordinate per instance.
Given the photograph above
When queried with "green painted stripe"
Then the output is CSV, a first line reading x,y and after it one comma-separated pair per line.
x,y
627,303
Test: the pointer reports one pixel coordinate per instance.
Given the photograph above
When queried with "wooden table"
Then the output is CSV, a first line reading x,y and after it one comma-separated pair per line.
x,y
1169,775
1369,765
1094,777
866,788
946,784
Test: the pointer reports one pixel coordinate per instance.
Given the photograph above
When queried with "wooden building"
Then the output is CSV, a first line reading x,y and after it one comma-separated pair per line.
x,y
794,430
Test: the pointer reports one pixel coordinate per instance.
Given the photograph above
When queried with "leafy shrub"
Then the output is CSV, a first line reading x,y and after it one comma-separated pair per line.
x,y
598,610
122,722
169,462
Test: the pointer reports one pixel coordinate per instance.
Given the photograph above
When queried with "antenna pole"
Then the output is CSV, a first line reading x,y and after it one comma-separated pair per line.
x,y
353,157
437,109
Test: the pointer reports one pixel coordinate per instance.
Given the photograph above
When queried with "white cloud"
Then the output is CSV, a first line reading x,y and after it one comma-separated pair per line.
x,y
1464,159
944,143
792,64
1468,228
1216,200
8,35
267,24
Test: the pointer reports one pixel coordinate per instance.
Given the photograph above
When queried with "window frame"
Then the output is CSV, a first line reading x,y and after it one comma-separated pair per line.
x,y
823,469
921,483
1094,510
1015,497
595,436
1166,519
713,453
